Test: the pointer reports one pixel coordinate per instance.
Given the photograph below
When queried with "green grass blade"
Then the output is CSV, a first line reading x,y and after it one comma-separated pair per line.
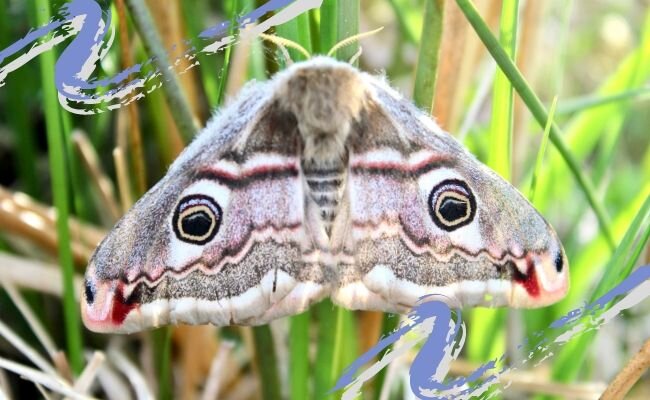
x,y
586,132
347,25
299,356
328,25
20,87
569,362
162,341
298,30
590,258
486,339
408,17
537,109
578,104
427,67
500,143
326,315
178,104
339,19
267,365
338,344
193,16
389,324
60,187
542,151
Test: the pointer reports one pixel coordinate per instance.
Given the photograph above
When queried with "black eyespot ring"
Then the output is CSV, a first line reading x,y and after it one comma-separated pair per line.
x,y
197,219
452,204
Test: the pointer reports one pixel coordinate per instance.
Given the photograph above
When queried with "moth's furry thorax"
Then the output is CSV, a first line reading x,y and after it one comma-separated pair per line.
x,y
326,101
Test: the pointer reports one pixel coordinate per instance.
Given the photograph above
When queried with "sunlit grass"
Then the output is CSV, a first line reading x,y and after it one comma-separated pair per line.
x,y
60,189
581,182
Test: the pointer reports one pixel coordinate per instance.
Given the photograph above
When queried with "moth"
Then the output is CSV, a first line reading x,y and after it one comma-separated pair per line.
x,y
323,181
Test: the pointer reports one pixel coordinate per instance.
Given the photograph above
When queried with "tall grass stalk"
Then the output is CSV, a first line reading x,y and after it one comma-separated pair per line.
x,y
486,338
537,109
163,344
570,361
582,103
267,365
499,156
423,94
328,25
299,31
347,24
427,67
60,188
194,13
178,104
344,24
542,151
590,130
20,88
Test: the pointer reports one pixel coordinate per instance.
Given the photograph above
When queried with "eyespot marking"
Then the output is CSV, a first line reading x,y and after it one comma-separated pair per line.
x,y
197,219
452,204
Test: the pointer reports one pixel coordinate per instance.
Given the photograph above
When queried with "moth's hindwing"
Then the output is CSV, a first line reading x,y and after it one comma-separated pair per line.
x,y
322,181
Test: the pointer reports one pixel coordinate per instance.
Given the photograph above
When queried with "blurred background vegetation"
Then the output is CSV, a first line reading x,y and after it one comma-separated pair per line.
x,y
592,55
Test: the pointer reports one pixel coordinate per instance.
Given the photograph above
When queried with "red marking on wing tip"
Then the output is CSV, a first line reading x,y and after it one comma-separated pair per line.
x,y
529,281
121,306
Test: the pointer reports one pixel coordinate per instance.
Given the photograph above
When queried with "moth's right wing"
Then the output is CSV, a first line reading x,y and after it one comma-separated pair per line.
x,y
422,216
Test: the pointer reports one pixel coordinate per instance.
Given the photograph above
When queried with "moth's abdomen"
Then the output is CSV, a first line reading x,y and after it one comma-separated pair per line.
x,y
325,189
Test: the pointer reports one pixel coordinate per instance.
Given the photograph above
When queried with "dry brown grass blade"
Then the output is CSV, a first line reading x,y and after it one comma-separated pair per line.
x,y
239,60
370,323
134,133
528,57
85,380
131,372
215,380
51,382
535,381
113,384
196,347
171,27
20,271
23,217
34,323
629,375
123,181
460,53
5,389
101,181
169,23
32,355
246,388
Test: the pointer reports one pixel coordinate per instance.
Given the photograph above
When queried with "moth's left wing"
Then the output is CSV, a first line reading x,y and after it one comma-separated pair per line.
x,y
422,216
222,238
